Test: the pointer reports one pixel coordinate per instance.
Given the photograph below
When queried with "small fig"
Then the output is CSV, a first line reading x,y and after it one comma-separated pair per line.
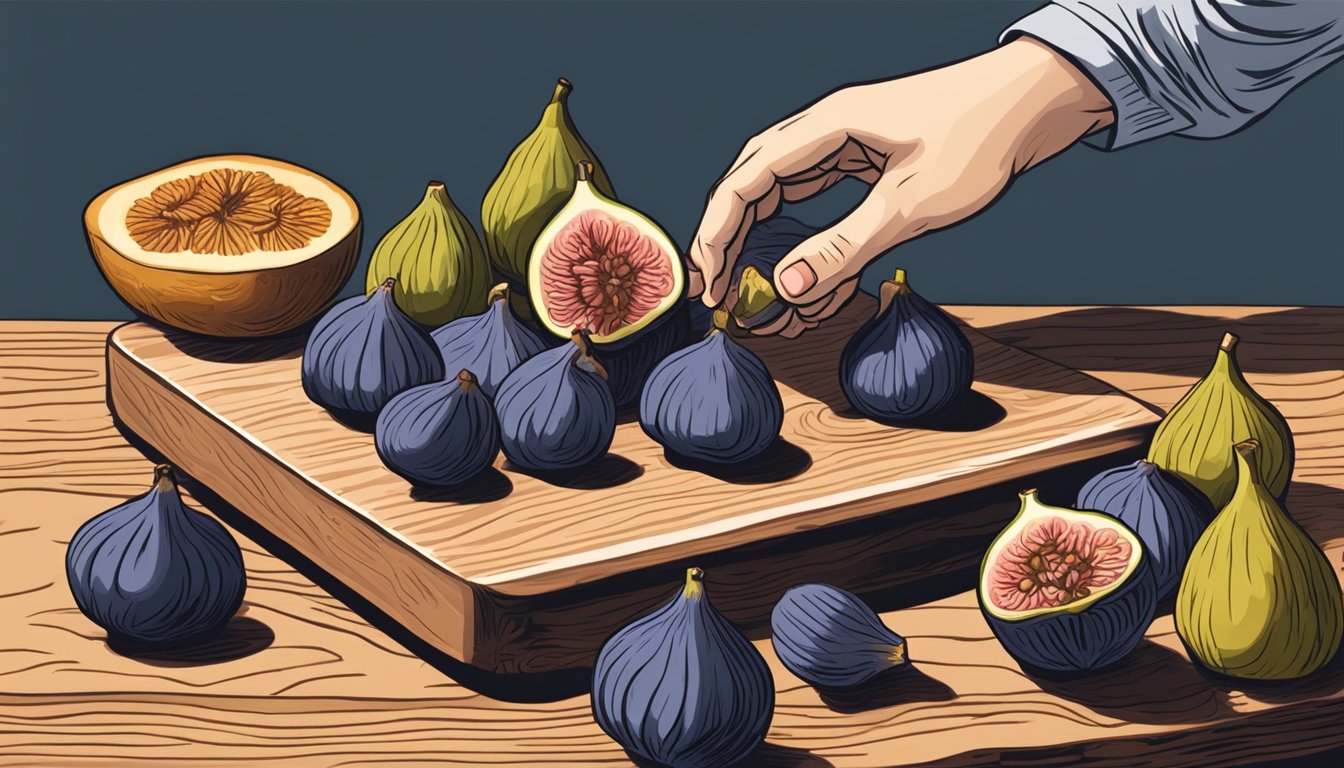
x,y
712,401
1196,437
364,351
490,344
555,410
832,639
1168,513
766,244
437,260
443,433
153,572
535,182
909,362
757,303
682,687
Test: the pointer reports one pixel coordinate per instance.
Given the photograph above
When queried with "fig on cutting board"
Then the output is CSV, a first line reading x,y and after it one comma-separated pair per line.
x,y
154,572
1066,590
535,182
832,639
362,353
437,260
439,434
909,362
712,401
555,410
490,344
227,245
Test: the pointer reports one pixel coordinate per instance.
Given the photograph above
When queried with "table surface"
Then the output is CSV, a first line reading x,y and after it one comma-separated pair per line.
x,y
300,679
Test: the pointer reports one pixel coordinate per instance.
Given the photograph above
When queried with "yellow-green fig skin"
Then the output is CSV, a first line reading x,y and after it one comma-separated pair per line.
x,y
1258,599
437,260
536,182
1195,438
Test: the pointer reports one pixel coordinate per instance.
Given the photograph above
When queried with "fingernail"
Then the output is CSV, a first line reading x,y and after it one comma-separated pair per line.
x,y
797,279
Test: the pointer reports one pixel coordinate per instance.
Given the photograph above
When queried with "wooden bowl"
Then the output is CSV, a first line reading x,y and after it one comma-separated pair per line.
x,y
257,293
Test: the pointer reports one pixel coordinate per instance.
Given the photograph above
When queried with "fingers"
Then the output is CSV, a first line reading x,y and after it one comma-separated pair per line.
x,y
753,179
823,262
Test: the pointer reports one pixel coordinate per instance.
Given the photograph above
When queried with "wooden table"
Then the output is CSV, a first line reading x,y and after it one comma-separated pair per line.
x,y
300,679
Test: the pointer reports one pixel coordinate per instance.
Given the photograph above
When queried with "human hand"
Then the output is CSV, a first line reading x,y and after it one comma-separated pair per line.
x,y
935,147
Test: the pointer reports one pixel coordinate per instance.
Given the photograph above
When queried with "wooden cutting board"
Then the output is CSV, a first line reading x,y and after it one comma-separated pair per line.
x,y
520,574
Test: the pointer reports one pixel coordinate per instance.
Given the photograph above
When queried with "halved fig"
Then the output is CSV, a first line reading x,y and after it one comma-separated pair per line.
x,y
1066,590
227,245
602,267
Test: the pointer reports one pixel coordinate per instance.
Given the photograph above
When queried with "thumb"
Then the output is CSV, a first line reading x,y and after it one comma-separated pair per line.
x,y
823,262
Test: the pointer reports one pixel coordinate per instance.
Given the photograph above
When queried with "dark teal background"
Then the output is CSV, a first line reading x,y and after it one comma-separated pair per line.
x,y
382,97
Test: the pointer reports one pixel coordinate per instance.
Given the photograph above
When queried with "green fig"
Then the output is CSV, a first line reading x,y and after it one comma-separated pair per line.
x,y
437,260
1195,438
536,182
1258,599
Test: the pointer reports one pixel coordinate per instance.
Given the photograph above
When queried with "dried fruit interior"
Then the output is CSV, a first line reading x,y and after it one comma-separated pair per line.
x,y
226,212
602,274
1053,562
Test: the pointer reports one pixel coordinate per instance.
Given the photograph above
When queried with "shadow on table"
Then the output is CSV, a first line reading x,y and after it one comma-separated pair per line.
x,y
1153,684
775,756
898,685
241,637
1155,340
284,347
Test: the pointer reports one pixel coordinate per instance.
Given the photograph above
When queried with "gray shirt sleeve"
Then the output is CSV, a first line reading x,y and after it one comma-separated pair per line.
x,y
1200,68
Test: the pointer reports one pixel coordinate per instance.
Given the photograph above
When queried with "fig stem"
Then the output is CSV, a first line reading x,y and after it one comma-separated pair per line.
x,y
388,283
434,184
466,379
163,477
562,89
719,320
695,578
1229,342
585,171
899,276
498,293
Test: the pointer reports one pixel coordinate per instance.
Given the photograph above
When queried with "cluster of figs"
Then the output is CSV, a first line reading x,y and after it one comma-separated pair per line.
x,y
1201,519
448,368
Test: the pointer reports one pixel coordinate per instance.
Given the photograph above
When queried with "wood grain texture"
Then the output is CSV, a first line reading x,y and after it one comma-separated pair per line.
x,y
300,680
478,573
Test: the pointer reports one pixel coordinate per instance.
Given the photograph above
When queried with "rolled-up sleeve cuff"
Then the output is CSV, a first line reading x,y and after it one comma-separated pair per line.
x,y
1137,117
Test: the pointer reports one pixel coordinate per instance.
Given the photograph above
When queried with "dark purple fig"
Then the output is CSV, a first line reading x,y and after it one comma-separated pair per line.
x,y
490,344
682,687
364,351
1167,512
153,572
832,639
555,410
909,362
440,434
712,401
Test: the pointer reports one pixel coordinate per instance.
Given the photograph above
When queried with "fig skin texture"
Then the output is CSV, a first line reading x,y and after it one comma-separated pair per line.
x,y
535,182
1168,513
490,344
1067,625
832,639
1258,600
1196,437
155,573
682,687
437,260
630,361
555,410
362,353
439,434
712,401
907,363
